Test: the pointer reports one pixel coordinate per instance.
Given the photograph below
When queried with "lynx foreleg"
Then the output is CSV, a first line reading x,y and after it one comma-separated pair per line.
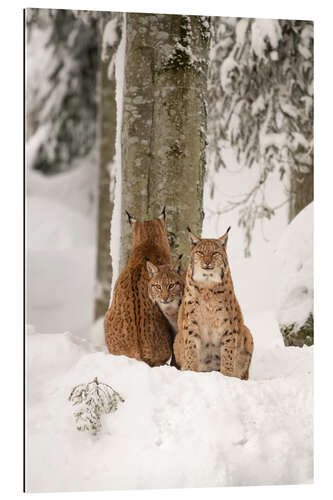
x,y
244,354
228,354
190,361
184,351
178,349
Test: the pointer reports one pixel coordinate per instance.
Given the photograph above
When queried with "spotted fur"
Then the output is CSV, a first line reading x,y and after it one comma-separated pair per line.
x,y
212,334
133,325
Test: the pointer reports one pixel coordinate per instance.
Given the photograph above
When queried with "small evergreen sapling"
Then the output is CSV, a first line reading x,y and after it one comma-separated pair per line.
x,y
90,401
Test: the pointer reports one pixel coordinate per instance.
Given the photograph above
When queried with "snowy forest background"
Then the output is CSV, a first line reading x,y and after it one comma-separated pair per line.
x,y
258,179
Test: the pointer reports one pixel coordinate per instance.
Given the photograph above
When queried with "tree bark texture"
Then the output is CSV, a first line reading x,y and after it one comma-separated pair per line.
x,y
107,149
301,192
164,124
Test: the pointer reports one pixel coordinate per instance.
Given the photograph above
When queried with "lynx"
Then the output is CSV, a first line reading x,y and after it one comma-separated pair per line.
x,y
133,325
166,288
212,334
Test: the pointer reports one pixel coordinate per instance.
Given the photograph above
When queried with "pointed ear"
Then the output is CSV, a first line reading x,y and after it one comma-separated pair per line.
x,y
194,240
162,216
224,239
177,267
152,269
131,219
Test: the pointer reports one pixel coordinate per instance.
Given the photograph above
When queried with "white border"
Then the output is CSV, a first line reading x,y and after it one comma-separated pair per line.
x,y
11,231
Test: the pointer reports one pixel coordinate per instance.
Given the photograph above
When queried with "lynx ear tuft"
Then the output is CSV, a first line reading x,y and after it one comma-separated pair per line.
x,y
224,239
162,215
131,219
152,269
194,240
178,265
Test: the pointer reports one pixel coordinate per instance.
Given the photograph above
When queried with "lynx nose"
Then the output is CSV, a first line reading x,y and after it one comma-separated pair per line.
x,y
164,299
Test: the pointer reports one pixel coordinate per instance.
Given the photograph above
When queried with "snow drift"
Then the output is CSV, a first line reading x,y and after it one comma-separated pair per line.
x,y
295,252
175,429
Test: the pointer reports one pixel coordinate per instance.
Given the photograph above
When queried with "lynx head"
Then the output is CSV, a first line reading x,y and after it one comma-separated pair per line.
x,y
154,229
208,259
166,284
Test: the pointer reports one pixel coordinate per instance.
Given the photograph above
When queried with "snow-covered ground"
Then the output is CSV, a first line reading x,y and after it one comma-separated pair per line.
x,y
175,429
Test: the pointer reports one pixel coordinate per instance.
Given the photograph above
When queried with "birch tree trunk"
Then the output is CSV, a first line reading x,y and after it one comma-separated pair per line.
x,y
164,123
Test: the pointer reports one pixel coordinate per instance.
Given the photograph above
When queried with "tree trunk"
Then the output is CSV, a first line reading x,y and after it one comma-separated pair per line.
x,y
107,149
164,124
301,192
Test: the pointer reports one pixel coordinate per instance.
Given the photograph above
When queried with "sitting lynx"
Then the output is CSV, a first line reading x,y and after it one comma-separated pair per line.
x,y
133,325
166,288
212,335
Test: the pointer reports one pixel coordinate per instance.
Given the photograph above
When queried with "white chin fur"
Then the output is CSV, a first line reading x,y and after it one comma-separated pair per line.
x,y
207,275
169,307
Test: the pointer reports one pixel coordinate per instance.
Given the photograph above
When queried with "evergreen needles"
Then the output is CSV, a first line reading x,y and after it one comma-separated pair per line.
x,y
90,401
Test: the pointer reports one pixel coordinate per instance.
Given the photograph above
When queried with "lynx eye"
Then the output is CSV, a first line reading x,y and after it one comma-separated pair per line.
x,y
216,253
171,285
157,286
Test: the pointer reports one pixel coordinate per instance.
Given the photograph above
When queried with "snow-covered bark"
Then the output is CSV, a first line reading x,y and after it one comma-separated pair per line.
x,y
295,309
301,190
164,123
107,164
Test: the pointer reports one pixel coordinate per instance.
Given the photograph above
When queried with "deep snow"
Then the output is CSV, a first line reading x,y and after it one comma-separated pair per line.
x,y
295,254
175,429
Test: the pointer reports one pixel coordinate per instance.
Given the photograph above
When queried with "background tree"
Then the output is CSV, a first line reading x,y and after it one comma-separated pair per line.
x,y
261,103
111,30
71,111
61,96
164,123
